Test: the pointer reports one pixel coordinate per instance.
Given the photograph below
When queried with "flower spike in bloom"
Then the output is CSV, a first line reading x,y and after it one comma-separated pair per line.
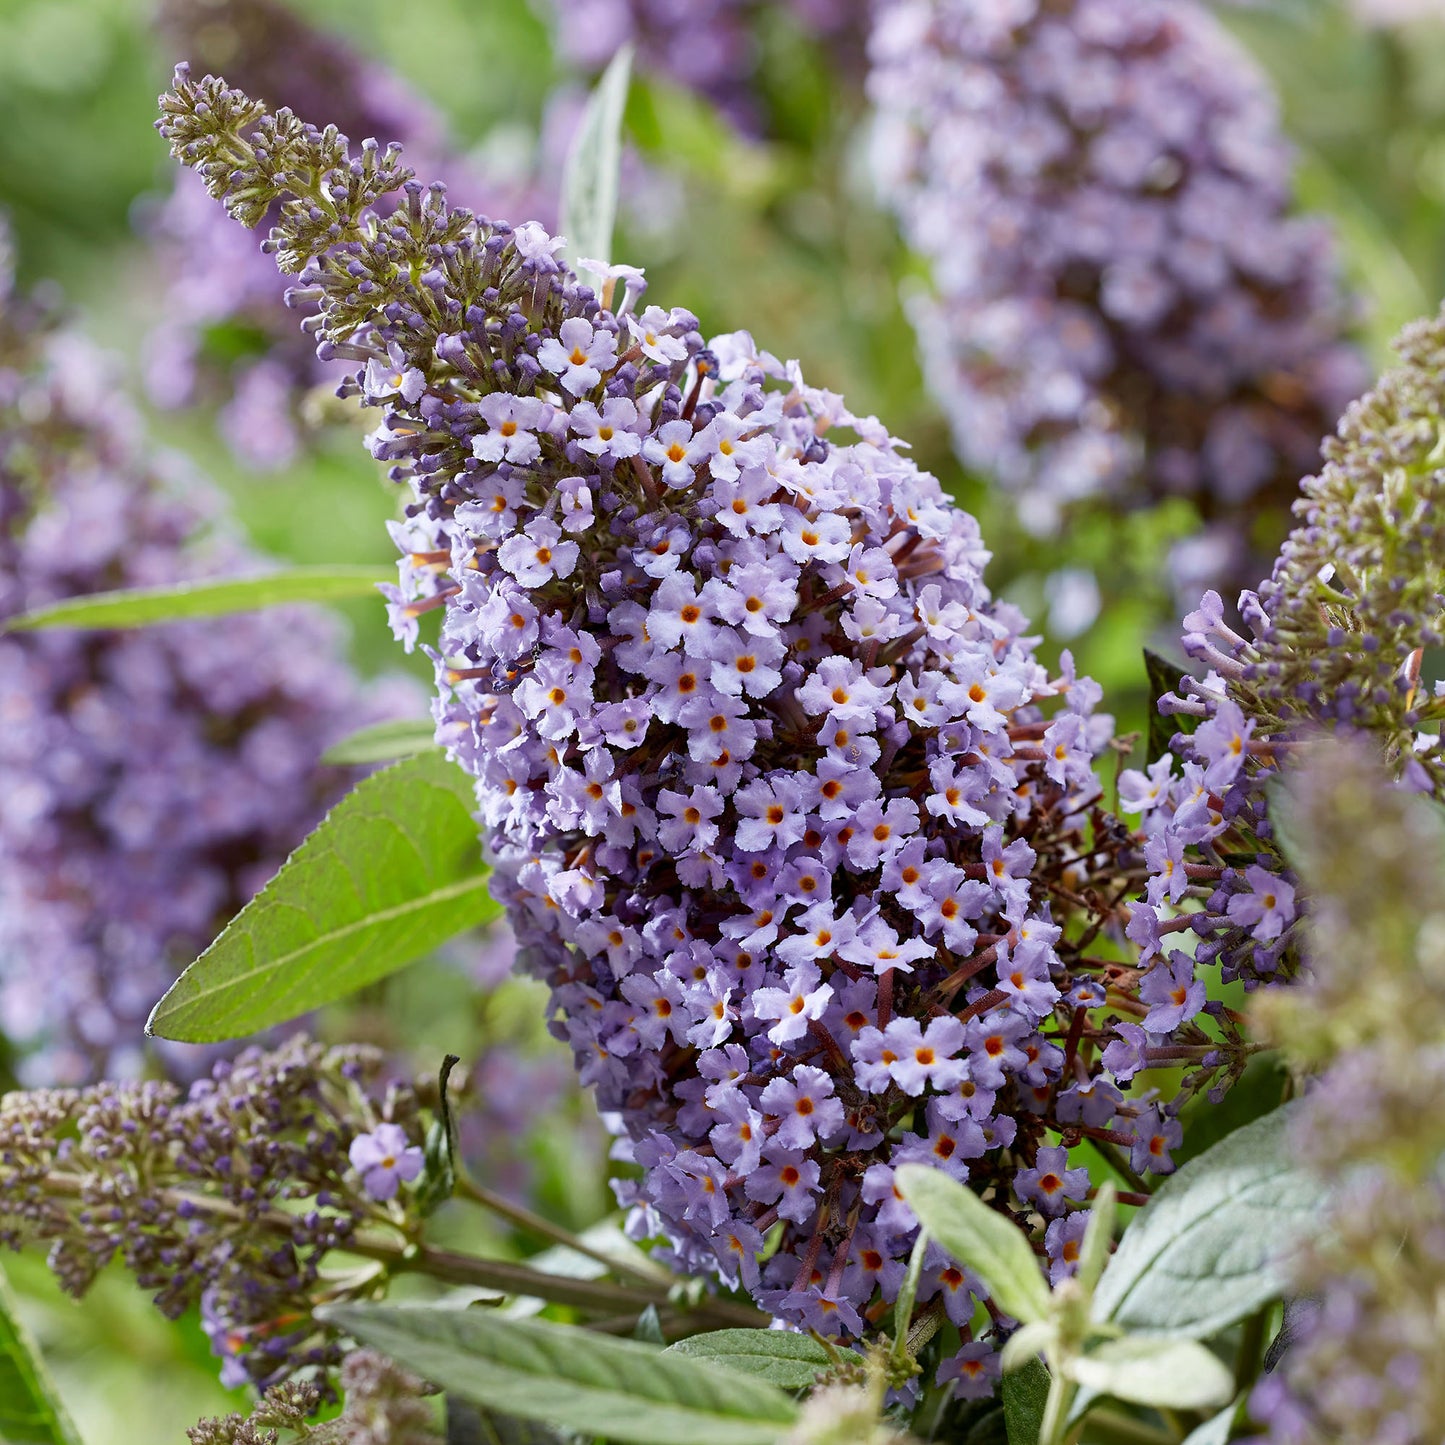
x,y
770,894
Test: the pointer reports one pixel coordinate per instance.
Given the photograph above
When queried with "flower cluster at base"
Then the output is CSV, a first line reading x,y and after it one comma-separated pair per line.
x,y
226,335
385,1405
1122,304
780,801
150,781
227,1196
1339,637
1368,1334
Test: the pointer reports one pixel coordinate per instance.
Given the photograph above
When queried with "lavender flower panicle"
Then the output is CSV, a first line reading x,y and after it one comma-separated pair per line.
x,y
1337,640
198,1192
1122,305
1365,1364
779,800
222,294
150,781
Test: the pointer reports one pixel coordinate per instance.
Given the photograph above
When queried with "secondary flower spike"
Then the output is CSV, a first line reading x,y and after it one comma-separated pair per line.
x,y
780,801
227,1195
150,781
1123,305
1341,637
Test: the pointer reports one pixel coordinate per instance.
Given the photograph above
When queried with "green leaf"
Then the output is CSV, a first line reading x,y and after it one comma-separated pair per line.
x,y
439,1171
572,1378
590,176
1164,676
648,1328
995,1248
1258,1091
383,742
779,1356
1203,1252
215,597
30,1409
1216,1431
467,1425
1025,1393
1171,1374
1098,1236
907,1294
393,871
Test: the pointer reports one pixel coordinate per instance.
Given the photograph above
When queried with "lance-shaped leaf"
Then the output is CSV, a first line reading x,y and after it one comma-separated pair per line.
x,y
569,1377
393,871
1025,1394
383,743
1204,1252
978,1237
30,1409
594,163
780,1356
213,597
1164,677
1168,1374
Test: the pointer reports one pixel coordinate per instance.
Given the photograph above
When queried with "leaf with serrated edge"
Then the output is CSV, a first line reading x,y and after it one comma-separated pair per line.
x,y
1025,1393
1170,1374
213,597
780,1356
393,871
594,163
30,1408
383,743
1202,1254
978,1237
569,1377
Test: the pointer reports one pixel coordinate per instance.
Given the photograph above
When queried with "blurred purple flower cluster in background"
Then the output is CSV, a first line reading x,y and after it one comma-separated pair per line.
x,y
1122,303
710,46
150,781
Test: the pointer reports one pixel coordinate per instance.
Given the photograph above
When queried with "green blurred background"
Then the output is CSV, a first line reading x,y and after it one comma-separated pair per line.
x,y
779,237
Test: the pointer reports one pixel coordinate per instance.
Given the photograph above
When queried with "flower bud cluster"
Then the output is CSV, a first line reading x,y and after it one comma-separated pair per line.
x,y
228,1195
779,799
1364,1364
225,335
1122,304
151,780
1338,639
385,1405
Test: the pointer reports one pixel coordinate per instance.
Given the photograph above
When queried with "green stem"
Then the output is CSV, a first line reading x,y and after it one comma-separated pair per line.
x,y
524,1219
1056,1409
401,1256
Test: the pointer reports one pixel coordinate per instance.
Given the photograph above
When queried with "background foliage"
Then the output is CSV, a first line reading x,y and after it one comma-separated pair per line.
x,y
740,230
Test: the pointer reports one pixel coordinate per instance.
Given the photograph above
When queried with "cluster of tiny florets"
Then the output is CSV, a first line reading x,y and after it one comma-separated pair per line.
x,y
150,781
780,801
227,1196
1341,638
1122,305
